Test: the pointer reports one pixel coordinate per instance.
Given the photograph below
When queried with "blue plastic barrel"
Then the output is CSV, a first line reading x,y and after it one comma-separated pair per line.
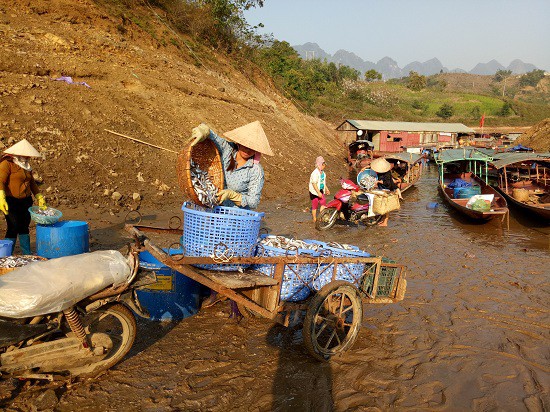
x,y
174,296
65,238
6,246
466,192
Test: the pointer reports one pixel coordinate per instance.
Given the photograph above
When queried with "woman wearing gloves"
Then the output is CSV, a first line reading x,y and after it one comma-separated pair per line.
x,y
17,186
243,174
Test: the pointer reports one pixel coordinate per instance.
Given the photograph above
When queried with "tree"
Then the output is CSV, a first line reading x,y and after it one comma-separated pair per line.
x,y
372,75
475,113
532,78
416,81
505,110
420,105
500,75
445,111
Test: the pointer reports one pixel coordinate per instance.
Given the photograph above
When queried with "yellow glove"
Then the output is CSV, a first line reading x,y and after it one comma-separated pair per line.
x,y
199,133
3,203
227,194
41,201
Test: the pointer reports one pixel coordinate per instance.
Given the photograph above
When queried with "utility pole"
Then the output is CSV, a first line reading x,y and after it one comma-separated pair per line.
x,y
504,86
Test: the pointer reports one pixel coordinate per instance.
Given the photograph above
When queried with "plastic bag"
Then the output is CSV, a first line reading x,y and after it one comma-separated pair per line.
x,y
481,205
54,285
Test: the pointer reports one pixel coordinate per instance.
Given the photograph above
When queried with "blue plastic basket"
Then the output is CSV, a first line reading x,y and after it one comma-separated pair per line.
x,y
43,219
208,232
350,272
466,192
296,284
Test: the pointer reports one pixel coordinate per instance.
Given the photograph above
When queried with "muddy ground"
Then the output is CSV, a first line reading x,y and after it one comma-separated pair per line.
x,y
471,334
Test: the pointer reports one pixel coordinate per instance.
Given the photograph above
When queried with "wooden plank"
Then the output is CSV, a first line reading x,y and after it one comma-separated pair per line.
x,y
238,280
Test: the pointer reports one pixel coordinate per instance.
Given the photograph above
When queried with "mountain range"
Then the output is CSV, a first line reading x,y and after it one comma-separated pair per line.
x,y
390,69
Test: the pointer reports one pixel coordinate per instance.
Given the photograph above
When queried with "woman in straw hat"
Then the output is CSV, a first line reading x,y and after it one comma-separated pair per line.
x,y
385,181
244,176
17,186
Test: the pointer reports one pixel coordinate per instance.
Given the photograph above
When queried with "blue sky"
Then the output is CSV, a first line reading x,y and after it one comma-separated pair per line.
x,y
460,33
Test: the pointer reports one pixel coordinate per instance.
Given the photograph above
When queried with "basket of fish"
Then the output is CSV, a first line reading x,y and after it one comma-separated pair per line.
x,y
200,172
297,278
45,216
350,272
9,263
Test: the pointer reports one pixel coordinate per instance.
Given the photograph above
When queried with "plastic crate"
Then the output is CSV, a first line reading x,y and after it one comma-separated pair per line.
x,y
208,232
386,280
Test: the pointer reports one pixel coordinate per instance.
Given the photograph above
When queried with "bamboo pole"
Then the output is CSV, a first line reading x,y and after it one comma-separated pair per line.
x,y
141,141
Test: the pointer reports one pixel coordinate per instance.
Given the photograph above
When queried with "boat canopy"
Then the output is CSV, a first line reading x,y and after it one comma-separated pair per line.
x,y
410,158
501,160
456,155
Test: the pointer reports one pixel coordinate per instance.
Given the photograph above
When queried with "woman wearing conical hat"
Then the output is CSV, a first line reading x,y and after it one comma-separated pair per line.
x,y
17,186
244,176
385,181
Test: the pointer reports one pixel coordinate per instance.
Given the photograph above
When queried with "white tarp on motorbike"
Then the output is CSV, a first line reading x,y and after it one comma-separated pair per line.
x,y
54,285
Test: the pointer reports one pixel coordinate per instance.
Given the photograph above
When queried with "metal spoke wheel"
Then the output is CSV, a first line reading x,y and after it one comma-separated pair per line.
x,y
333,320
112,332
327,218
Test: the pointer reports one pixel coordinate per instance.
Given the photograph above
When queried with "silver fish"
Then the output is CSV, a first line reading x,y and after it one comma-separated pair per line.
x,y
202,183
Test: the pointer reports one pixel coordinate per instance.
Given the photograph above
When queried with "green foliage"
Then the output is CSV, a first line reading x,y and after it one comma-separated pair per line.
x,y
434,82
500,75
372,75
445,111
532,78
475,113
505,110
416,81
420,105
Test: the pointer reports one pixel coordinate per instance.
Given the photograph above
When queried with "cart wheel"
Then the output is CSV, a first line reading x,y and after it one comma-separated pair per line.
x,y
333,320
327,218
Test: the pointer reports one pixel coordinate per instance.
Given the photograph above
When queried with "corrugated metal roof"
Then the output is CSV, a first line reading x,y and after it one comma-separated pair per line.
x,y
504,159
410,126
453,155
404,157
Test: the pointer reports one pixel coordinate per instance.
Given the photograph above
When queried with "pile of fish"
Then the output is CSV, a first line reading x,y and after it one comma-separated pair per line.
x,y
205,189
368,182
17,261
45,212
282,242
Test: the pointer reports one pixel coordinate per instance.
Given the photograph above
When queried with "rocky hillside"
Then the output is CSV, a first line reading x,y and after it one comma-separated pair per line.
x,y
538,137
142,80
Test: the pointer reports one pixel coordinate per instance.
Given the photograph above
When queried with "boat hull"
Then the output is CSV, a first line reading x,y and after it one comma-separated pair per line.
x,y
542,212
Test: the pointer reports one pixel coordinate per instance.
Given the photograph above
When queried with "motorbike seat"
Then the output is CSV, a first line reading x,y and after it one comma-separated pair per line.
x,y
363,199
51,286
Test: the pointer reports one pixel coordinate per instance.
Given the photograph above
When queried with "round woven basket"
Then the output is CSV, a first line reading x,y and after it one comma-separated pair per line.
x,y
206,155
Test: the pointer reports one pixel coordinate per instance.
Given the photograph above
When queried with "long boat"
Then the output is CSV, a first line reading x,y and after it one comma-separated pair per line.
x,y
524,180
412,170
467,164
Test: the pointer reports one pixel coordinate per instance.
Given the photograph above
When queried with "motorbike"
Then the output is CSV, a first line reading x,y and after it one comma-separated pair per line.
x,y
85,338
349,204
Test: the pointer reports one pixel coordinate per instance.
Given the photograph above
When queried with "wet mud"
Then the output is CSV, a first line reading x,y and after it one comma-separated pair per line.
x,y
471,334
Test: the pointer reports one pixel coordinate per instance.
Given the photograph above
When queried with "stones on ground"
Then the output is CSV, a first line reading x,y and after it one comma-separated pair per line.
x,y
136,197
116,196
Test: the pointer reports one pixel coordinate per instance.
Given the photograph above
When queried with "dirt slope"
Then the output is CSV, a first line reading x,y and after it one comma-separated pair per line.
x,y
538,137
141,88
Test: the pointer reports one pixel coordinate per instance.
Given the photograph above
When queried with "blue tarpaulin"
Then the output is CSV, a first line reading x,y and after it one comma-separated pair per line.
x,y
520,148
458,183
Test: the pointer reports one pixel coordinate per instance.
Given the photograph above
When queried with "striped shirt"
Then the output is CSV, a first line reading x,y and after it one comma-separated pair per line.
x,y
248,180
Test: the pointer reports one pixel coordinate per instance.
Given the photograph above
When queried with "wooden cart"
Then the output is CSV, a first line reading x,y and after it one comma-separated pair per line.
x,y
333,315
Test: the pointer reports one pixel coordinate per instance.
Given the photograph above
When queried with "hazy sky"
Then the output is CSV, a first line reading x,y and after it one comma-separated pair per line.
x,y
460,33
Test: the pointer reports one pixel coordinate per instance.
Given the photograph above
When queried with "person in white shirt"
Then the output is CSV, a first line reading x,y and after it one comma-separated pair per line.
x,y
318,187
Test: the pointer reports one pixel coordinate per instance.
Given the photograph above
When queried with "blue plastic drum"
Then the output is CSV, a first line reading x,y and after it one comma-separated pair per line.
x,y
173,297
65,238
6,247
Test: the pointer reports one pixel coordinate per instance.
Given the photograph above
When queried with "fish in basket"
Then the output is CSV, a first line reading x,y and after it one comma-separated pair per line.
x,y
200,172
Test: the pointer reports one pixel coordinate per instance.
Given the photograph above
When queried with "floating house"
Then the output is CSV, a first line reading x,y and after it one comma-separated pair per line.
x,y
395,137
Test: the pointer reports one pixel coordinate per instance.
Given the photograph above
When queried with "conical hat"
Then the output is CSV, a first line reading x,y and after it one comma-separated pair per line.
x,y
23,148
251,135
380,165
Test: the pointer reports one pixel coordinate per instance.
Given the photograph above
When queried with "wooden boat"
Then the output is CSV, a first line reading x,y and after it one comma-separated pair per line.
x,y
411,172
467,164
524,180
